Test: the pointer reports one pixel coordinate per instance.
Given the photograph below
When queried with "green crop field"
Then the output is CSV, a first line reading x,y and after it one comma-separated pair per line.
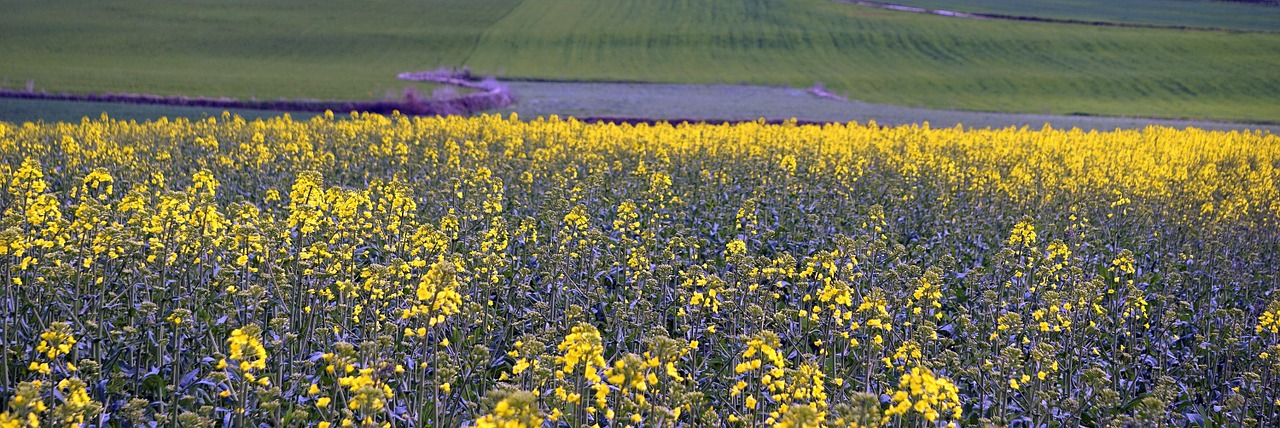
x,y
1179,13
267,50
352,50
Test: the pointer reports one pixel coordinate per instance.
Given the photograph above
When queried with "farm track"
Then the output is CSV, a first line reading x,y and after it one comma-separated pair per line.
x,y
603,102
674,103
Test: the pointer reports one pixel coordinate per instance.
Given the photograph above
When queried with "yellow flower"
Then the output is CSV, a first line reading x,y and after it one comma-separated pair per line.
x,y
56,341
247,348
437,294
1024,233
935,396
367,393
583,347
517,410
42,368
521,365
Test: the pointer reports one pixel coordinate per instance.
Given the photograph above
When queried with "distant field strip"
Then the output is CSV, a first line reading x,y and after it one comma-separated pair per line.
x,y
333,49
1119,22
1252,16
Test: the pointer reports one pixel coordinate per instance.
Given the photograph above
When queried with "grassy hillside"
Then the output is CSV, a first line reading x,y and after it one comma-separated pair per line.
x,y
1185,13
343,49
894,57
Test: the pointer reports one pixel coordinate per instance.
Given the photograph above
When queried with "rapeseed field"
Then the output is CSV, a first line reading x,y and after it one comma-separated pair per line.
x,y
393,271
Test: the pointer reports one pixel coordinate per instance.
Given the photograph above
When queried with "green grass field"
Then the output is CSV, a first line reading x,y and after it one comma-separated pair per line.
x,y
277,49
352,50
1180,13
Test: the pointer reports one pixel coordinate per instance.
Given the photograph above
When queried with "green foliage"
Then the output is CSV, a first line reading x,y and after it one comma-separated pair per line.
x,y
329,49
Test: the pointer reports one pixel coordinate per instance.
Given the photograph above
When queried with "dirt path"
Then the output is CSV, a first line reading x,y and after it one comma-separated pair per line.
x,y
913,9
630,102
461,78
657,102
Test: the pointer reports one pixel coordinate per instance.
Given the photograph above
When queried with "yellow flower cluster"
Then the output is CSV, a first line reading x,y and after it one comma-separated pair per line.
x,y
807,388
632,372
247,349
366,394
582,347
56,341
518,410
76,406
920,391
1024,234
25,407
766,343
1123,263
1269,321
437,293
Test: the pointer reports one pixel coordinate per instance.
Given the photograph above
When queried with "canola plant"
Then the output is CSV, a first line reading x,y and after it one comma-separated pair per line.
x,y
492,272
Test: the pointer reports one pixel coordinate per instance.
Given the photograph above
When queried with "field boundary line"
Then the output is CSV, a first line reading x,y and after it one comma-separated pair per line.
x,y
412,103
